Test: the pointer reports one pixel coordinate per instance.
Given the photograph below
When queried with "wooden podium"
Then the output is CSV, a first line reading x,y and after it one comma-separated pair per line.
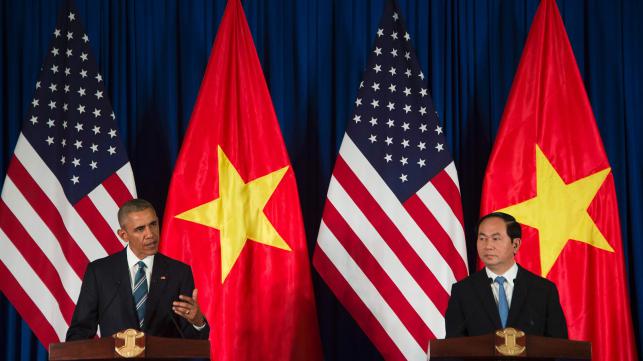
x,y
509,344
130,344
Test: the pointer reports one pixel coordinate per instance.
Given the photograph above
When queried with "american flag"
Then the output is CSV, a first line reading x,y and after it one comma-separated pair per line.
x,y
391,241
66,180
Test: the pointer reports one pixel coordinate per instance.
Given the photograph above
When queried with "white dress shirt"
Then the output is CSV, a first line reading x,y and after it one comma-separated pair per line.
x,y
132,261
510,277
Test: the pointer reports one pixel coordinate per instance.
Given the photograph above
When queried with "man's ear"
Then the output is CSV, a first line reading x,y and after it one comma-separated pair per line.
x,y
121,233
516,243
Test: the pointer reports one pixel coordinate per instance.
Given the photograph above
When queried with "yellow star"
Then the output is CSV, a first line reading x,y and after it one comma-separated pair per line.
x,y
559,211
238,212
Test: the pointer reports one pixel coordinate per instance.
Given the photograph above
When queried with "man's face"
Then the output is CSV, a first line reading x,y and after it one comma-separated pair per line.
x,y
141,231
495,248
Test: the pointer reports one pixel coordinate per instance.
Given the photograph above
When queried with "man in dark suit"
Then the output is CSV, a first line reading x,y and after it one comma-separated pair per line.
x,y
503,294
114,294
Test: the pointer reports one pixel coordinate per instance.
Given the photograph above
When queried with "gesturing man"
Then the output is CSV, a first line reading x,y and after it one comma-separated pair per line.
x,y
138,287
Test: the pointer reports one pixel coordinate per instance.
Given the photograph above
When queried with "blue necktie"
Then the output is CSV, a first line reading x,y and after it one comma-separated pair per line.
x,y
503,305
140,292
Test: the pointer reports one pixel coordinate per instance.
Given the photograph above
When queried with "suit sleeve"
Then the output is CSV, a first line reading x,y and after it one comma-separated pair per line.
x,y
454,317
188,330
556,323
84,322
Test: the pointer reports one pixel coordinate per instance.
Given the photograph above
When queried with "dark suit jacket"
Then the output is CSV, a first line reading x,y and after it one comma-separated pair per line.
x,y
535,307
106,299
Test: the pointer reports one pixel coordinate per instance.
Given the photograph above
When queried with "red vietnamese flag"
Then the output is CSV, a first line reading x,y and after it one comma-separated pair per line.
x,y
549,169
233,212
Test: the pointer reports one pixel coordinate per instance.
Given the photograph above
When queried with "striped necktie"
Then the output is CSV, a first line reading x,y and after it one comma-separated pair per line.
x,y
503,305
140,292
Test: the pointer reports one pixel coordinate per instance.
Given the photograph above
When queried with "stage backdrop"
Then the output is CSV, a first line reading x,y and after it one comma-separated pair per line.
x,y
152,55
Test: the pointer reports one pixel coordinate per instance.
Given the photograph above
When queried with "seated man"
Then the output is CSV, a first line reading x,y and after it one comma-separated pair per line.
x,y
138,287
503,294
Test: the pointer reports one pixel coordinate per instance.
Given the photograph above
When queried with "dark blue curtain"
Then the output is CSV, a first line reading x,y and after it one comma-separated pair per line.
x,y
153,53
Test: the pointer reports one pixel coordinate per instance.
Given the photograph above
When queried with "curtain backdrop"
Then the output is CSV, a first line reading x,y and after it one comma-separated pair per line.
x,y
152,55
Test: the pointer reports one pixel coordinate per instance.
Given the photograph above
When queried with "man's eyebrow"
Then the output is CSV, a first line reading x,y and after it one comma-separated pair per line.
x,y
492,234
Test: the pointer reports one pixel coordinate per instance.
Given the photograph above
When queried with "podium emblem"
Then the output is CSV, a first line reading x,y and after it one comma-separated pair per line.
x,y
129,348
510,346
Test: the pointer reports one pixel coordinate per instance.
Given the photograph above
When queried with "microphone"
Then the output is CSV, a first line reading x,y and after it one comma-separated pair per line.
x,y
171,314
176,324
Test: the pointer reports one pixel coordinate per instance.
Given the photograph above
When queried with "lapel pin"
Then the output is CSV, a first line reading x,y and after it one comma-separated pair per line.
x,y
162,278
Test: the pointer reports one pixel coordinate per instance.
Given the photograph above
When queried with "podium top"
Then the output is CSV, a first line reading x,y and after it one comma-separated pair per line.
x,y
131,344
499,345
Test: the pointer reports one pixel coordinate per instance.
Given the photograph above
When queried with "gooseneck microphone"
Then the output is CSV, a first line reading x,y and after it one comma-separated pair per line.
x,y
176,324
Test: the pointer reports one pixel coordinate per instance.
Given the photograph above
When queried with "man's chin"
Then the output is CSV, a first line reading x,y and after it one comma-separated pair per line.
x,y
151,251
490,263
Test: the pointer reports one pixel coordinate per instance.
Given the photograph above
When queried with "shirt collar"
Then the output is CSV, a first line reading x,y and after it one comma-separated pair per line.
x,y
510,275
132,260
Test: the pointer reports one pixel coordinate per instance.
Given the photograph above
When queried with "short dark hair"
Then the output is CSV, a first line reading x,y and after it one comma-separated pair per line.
x,y
133,205
513,227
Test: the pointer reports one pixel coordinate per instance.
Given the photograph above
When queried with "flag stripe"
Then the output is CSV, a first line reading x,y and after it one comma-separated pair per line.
x,y
49,184
358,207
396,212
451,195
98,225
27,280
127,177
102,200
427,222
117,189
351,301
36,259
375,272
24,304
449,221
358,284
37,200
452,172
43,237
440,238
441,210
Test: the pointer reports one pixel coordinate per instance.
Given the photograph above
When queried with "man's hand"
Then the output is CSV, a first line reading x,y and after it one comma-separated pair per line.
x,y
188,308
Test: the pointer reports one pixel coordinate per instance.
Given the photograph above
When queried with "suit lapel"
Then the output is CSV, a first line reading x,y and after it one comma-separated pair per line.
x,y
519,295
486,296
157,285
125,288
